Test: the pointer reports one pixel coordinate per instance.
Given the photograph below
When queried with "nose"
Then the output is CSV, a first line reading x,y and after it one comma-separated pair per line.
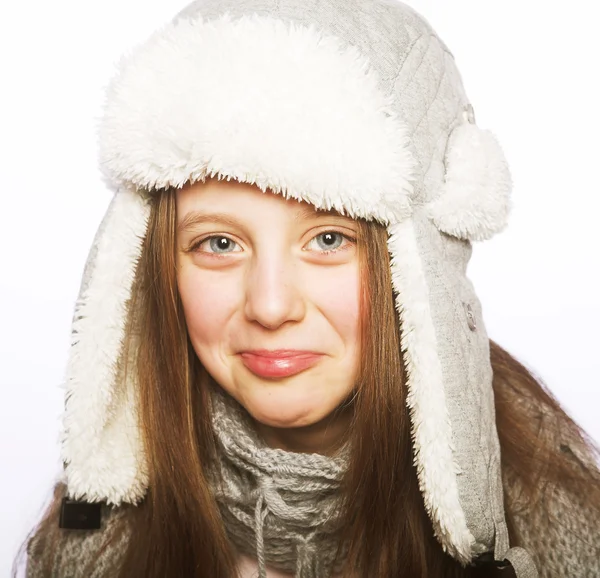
x,y
273,292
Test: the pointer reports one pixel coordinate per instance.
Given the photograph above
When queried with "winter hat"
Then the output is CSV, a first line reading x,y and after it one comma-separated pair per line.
x,y
355,105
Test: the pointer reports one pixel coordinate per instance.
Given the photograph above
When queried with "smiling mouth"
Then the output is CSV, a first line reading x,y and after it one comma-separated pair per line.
x,y
279,364
280,352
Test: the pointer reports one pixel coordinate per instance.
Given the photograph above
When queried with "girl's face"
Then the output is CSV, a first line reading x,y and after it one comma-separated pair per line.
x,y
254,273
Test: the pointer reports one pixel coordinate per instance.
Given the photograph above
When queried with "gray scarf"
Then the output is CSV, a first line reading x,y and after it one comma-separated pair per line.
x,y
278,506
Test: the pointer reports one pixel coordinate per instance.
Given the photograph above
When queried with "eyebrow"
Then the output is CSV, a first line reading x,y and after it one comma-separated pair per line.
x,y
194,218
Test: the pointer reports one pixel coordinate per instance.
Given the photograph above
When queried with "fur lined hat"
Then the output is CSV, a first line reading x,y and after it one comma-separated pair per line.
x,y
372,81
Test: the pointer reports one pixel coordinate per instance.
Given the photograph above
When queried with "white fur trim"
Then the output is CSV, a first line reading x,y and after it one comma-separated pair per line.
x,y
100,439
431,429
474,202
263,101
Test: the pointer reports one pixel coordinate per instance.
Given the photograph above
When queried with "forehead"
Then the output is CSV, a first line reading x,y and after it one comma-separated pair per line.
x,y
213,195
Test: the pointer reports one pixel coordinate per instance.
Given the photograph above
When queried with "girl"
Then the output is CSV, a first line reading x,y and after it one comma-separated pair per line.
x,y
279,366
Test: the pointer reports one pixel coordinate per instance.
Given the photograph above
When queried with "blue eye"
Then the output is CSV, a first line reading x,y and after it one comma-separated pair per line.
x,y
219,244
330,240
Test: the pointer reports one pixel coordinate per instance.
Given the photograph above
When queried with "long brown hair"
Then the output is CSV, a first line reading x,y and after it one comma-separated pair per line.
x,y
177,529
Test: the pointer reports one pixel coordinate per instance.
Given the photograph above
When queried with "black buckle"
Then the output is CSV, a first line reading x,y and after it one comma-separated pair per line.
x,y
75,515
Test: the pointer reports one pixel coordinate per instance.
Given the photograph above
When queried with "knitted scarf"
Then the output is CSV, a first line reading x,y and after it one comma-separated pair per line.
x,y
278,506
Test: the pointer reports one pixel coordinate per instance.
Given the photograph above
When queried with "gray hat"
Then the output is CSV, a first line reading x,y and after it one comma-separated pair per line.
x,y
371,81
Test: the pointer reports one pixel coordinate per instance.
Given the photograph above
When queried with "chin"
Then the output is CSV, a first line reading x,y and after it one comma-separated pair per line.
x,y
284,409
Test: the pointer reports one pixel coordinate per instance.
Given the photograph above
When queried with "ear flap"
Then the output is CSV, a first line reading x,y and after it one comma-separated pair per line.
x,y
474,201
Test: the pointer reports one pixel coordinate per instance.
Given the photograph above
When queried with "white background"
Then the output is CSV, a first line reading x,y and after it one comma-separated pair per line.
x,y
531,71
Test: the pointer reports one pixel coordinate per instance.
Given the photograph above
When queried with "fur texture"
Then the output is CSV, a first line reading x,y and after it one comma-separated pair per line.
x,y
474,202
431,430
264,102
101,448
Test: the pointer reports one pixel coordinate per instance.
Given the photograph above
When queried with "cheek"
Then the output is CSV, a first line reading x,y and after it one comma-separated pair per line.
x,y
338,299
207,303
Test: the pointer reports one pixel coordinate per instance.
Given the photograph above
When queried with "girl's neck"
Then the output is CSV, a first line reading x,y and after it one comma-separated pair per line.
x,y
325,437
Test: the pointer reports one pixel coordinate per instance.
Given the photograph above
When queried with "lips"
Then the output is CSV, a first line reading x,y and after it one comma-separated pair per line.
x,y
280,363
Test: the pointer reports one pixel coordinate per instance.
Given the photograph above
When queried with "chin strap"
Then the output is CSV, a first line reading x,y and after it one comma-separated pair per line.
x,y
522,563
517,563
